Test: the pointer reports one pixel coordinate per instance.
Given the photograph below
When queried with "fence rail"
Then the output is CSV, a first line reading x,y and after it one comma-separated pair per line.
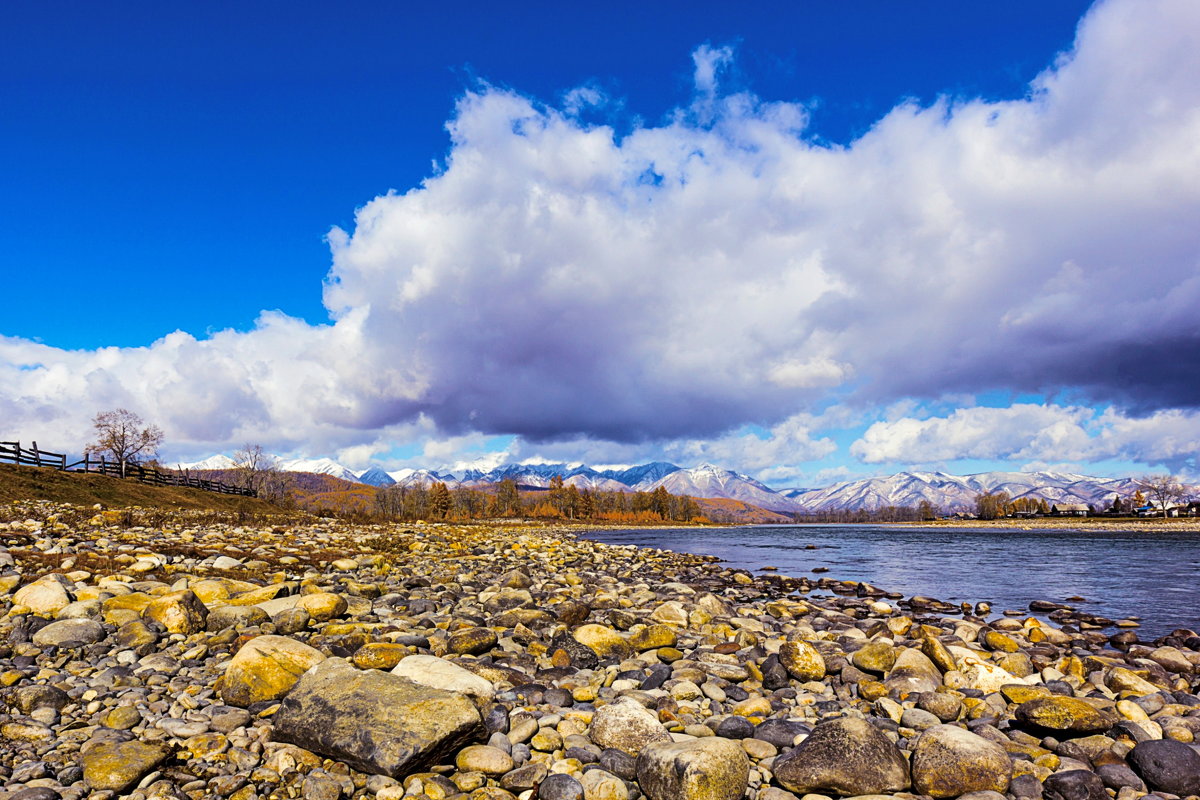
x,y
14,453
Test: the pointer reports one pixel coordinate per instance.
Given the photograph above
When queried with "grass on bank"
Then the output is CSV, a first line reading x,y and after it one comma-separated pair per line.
x,y
86,489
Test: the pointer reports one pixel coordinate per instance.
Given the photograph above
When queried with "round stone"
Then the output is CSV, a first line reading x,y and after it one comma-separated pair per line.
x,y
627,726
560,787
484,758
473,641
323,606
122,718
802,661
291,620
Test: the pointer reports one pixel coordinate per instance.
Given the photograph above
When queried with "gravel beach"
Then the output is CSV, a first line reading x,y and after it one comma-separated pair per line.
x,y
148,654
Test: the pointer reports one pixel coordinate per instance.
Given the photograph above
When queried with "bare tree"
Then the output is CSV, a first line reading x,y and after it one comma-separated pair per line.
x,y
125,436
251,462
1164,490
258,470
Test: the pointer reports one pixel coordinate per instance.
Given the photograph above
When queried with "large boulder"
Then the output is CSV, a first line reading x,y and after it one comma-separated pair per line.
x,y
1064,715
323,606
913,672
46,596
266,668
653,637
847,756
702,769
118,766
374,721
604,641
627,726
472,641
438,673
1167,766
235,617
948,761
178,612
69,632
877,657
802,661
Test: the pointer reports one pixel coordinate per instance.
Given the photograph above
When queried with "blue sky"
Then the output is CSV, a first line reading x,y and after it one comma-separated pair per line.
x,y
194,145
400,187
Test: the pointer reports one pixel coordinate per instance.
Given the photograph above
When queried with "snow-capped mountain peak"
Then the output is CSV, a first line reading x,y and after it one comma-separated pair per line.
x,y
375,477
710,481
959,491
219,461
320,466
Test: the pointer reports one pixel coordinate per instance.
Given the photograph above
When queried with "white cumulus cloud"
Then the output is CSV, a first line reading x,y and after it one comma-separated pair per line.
x,y
1043,434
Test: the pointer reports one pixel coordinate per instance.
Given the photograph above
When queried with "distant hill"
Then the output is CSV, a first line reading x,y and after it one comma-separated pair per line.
x,y
736,512
376,477
952,492
945,491
713,482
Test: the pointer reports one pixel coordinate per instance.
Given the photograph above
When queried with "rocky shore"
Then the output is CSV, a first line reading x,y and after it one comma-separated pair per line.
x,y
154,655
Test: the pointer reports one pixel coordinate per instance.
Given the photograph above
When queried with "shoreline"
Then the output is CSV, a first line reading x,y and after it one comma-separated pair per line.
x,y
147,660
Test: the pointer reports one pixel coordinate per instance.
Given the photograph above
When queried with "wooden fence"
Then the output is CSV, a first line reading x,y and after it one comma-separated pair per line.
x,y
13,453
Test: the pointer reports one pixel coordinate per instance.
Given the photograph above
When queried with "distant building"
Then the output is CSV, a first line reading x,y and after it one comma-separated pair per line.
x,y
1069,510
1169,510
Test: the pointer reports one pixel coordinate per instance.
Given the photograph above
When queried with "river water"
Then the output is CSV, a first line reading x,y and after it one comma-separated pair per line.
x,y
1154,577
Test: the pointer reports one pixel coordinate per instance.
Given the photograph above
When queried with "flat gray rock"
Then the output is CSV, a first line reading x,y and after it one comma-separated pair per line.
x,y
376,722
69,631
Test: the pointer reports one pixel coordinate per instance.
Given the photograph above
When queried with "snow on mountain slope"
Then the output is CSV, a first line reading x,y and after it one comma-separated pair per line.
x,y
595,483
713,482
219,461
409,478
320,466
641,474
375,477
537,475
959,491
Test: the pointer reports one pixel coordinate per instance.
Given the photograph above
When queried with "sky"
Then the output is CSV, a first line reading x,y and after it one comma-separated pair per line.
x,y
808,241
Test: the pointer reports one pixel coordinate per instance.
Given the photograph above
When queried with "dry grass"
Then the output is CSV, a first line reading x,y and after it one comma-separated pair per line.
x,y
34,483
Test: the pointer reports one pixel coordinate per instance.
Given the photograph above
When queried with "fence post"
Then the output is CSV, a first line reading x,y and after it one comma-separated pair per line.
x,y
37,454
62,463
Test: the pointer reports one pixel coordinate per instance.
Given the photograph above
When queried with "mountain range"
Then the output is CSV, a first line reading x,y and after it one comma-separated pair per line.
x,y
944,491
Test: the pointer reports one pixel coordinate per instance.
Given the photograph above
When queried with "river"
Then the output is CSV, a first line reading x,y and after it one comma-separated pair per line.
x,y
1151,576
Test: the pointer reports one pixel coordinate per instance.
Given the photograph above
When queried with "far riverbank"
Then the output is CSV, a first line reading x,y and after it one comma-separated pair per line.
x,y
1099,524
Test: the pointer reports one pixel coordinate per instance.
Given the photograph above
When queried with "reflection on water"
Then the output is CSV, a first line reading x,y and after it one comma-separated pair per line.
x,y
1154,576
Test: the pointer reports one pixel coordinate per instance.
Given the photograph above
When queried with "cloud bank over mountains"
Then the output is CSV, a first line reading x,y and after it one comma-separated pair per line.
x,y
723,285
